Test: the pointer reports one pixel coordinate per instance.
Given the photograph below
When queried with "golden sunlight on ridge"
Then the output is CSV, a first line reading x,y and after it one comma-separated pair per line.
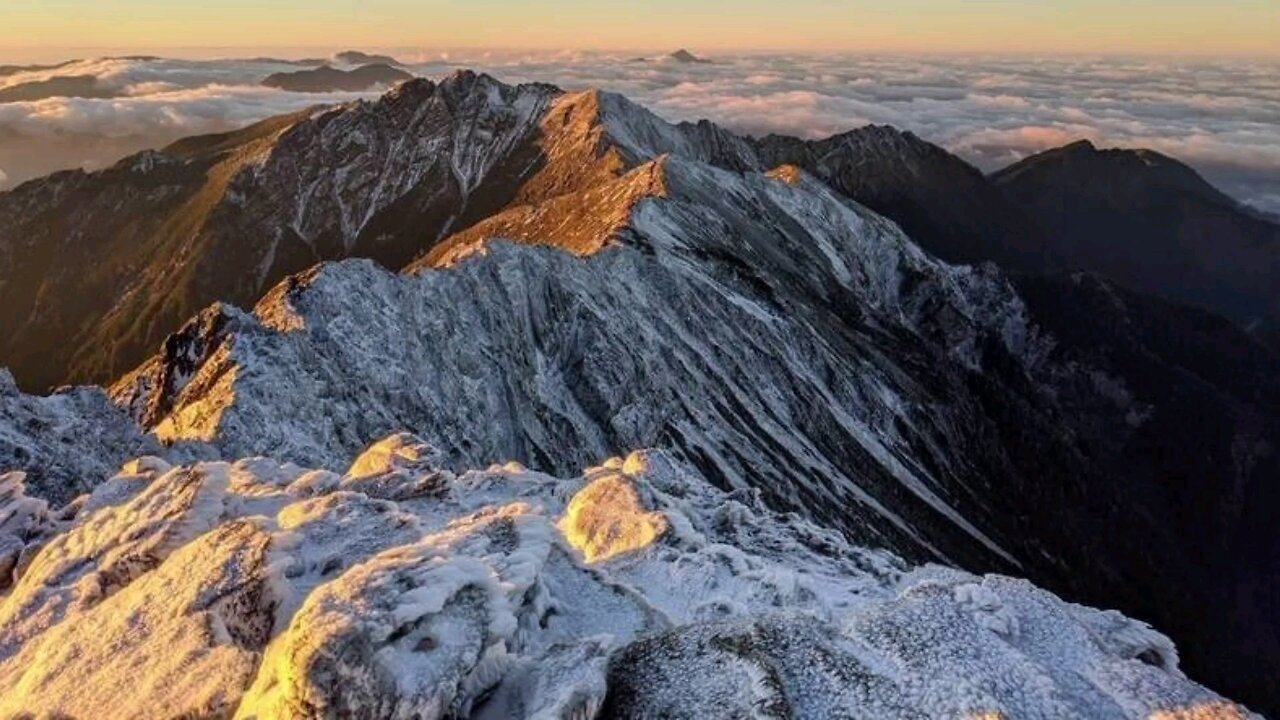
x,y
200,416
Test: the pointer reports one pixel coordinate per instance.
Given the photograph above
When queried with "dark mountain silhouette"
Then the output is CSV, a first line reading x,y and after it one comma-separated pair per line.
x,y
943,202
684,56
328,79
15,69
1154,224
80,86
355,57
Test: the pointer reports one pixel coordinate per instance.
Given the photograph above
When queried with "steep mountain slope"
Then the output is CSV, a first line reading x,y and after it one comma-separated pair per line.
x,y
942,202
106,264
69,441
777,337
260,590
1152,223
1176,410
761,327
743,318
1198,456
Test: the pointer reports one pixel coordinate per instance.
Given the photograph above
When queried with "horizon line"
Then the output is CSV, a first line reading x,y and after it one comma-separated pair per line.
x,y
172,52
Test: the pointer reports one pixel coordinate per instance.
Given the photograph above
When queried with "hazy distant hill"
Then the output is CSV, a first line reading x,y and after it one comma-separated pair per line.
x,y
327,79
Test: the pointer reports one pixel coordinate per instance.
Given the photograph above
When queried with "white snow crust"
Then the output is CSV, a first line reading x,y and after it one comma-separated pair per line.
x,y
259,589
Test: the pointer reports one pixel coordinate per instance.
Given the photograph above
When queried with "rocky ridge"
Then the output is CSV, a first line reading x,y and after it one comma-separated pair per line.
x,y
761,327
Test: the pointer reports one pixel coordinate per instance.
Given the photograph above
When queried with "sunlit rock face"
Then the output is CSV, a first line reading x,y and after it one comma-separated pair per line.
x,y
264,590
607,519
151,240
764,328
738,320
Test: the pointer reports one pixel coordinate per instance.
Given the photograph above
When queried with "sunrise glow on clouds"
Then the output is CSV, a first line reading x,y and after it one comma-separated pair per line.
x,y
992,81
1221,116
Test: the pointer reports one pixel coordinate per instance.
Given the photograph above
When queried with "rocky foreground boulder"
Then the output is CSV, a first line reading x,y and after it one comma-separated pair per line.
x,y
258,589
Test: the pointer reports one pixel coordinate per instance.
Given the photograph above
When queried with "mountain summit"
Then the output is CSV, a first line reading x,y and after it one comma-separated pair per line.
x,y
684,56
580,279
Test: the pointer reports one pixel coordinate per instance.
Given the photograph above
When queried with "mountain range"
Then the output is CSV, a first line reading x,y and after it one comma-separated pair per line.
x,y
864,331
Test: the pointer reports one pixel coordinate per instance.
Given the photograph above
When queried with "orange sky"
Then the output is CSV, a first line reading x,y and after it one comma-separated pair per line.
x,y
1179,27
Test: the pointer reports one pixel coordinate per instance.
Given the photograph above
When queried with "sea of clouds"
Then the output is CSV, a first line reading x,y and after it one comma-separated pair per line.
x,y
1221,116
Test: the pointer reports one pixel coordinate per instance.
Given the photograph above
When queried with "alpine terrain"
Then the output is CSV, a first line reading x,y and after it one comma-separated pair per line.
x,y
756,447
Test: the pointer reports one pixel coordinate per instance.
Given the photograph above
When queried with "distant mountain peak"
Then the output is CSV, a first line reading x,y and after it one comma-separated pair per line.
x,y
684,56
1083,145
1153,224
325,79
356,57
1142,171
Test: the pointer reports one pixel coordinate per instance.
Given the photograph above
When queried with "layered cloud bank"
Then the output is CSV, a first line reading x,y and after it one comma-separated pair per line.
x,y
1223,117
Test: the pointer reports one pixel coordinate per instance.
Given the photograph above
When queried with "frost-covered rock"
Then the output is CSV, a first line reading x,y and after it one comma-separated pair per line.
x,y
397,468
24,525
747,318
738,320
67,442
243,590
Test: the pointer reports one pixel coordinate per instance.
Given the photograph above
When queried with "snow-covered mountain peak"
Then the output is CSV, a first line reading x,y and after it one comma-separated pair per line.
x,y
563,345
591,279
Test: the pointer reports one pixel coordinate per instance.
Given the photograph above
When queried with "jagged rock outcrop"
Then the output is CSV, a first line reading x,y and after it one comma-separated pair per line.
x,y
220,590
68,441
149,242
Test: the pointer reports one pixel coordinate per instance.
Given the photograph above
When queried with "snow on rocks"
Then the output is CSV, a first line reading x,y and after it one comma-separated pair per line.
x,y
24,525
66,442
261,590
416,631
181,640
107,550
397,468
739,321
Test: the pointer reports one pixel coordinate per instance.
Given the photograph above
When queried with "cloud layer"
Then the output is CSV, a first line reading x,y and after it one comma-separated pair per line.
x,y
1223,117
